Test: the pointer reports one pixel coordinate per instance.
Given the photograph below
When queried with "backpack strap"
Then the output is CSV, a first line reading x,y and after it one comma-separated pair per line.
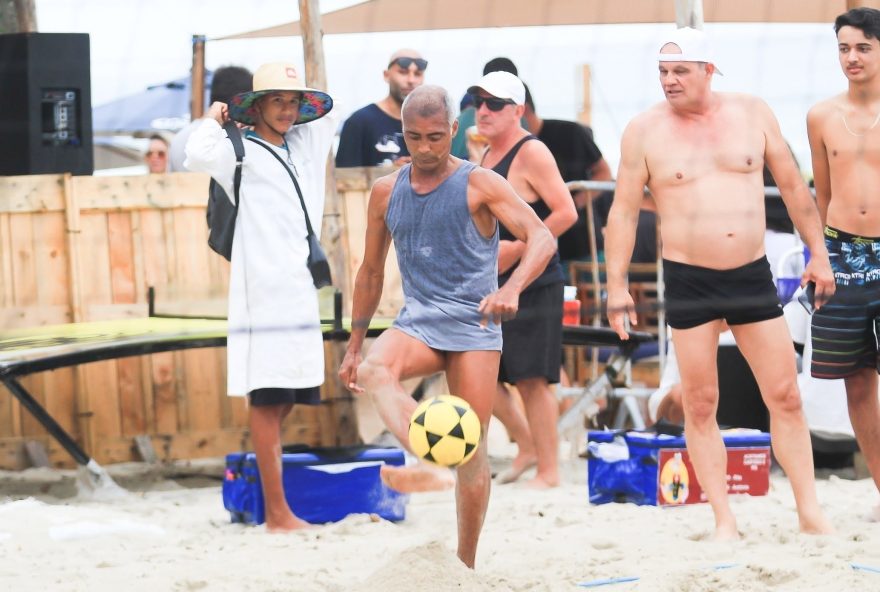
x,y
234,135
295,184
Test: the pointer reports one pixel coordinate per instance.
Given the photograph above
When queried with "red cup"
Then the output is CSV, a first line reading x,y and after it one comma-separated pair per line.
x,y
571,312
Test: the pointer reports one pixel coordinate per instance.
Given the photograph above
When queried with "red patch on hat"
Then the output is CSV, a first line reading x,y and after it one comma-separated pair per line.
x,y
291,72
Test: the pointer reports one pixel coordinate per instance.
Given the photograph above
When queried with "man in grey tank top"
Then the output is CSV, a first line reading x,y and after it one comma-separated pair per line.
x,y
442,214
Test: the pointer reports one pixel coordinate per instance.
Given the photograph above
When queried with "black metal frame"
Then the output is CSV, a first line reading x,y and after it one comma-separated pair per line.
x,y
577,335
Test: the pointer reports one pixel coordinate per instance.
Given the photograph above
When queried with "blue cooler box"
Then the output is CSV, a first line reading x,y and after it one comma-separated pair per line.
x,y
646,468
321,485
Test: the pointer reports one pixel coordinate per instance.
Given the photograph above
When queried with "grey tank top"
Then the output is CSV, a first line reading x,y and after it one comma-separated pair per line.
x,y
446,264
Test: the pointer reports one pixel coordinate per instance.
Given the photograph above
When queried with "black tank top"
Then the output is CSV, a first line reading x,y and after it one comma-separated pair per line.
x,y
553,272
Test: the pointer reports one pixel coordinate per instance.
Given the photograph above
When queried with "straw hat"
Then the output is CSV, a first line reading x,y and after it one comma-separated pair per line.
x,y
279,77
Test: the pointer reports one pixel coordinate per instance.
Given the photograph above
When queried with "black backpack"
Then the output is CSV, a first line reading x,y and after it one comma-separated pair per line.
x,y
221,212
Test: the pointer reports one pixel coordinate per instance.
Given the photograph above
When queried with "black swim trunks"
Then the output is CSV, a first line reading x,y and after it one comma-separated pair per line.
x,y
697,295
265,397
532,344
843,334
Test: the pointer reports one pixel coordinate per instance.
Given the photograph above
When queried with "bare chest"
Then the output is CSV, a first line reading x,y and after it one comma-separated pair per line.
x,y
677,154
850,140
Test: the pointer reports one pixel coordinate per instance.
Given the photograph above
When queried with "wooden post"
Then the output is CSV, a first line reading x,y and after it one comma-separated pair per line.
x,y
343,411
585,116
26,14
197,85
689,13
73,229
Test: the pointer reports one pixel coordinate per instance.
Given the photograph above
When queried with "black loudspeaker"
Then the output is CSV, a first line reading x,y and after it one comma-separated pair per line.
x,y
45,104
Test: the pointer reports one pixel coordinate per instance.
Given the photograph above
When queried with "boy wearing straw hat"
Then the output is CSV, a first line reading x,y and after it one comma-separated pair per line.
x,y
275,347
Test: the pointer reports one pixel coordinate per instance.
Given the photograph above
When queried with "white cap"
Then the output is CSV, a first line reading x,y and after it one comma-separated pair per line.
x,y
503,85
694,46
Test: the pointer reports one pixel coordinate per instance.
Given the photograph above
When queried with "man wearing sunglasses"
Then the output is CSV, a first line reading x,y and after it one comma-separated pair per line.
x,y
373,135
533,340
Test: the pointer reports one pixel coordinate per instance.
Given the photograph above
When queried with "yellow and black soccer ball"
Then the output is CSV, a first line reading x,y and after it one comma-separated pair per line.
x,y
444,430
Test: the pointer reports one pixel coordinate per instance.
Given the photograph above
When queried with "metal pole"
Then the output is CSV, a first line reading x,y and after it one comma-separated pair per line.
x,y
41,415
689,13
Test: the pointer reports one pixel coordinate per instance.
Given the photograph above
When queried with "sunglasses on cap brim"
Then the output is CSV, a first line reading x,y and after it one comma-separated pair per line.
x,y
405,63
493,103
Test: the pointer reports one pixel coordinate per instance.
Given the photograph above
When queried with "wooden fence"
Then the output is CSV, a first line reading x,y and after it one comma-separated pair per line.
x,y
87,248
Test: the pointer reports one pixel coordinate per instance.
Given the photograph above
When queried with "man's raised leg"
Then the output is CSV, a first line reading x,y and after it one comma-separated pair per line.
x,y
697,350
768,349
393,357
472,376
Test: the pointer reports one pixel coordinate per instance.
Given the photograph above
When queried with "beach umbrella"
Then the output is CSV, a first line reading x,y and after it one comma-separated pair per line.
x,y
160,108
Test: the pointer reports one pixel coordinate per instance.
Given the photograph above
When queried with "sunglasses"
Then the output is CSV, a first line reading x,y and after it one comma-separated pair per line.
x,y
493,103
159,153
405,63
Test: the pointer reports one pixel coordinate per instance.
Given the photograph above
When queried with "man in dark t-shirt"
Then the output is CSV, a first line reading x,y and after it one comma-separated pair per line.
x,y
578,159
373,134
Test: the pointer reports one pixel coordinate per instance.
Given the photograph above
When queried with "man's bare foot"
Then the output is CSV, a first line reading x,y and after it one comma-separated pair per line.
x,y
725,531
543,482
287,523
817,524
416,478
520,465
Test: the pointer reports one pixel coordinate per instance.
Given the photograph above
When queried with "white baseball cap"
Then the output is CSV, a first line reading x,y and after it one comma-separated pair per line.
x,y
503,85
694,46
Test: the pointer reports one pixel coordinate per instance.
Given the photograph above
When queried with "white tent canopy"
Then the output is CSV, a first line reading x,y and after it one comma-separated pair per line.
x,y
375,16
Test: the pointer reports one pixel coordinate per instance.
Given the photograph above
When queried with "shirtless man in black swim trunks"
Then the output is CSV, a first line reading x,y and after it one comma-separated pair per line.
x,y
701,154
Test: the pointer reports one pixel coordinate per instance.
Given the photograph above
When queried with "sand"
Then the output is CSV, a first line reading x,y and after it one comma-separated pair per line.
x,y
180,539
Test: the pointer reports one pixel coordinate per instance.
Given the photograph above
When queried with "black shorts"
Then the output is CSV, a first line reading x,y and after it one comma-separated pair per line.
x,y
843,334
697,295
265,397
532,346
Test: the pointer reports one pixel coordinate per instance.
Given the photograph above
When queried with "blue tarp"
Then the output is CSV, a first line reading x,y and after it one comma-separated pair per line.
x,y
162,107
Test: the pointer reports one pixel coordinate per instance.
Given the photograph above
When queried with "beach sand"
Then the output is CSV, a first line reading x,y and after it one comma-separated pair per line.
x,y
174,538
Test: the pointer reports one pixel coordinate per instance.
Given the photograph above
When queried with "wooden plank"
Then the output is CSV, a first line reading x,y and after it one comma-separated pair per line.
x,y
131,396
60,394
74,241
35,315
203,399
155,253
99,403
166,192
24,271
31,193
50,260
189,445
7,297
121,258
164,394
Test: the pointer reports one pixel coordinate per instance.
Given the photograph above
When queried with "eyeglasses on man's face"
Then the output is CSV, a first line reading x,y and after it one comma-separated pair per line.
x,y
493,103
405,63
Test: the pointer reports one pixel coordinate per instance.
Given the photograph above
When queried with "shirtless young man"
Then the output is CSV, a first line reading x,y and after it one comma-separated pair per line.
x,y
845,143
442,214
701,154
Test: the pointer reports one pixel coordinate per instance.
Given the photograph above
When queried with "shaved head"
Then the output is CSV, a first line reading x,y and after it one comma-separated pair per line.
x,y
427,101
404,53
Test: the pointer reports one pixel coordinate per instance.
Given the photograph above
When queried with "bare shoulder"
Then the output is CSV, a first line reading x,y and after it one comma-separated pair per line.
x,y
819,112
486,182
381,190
